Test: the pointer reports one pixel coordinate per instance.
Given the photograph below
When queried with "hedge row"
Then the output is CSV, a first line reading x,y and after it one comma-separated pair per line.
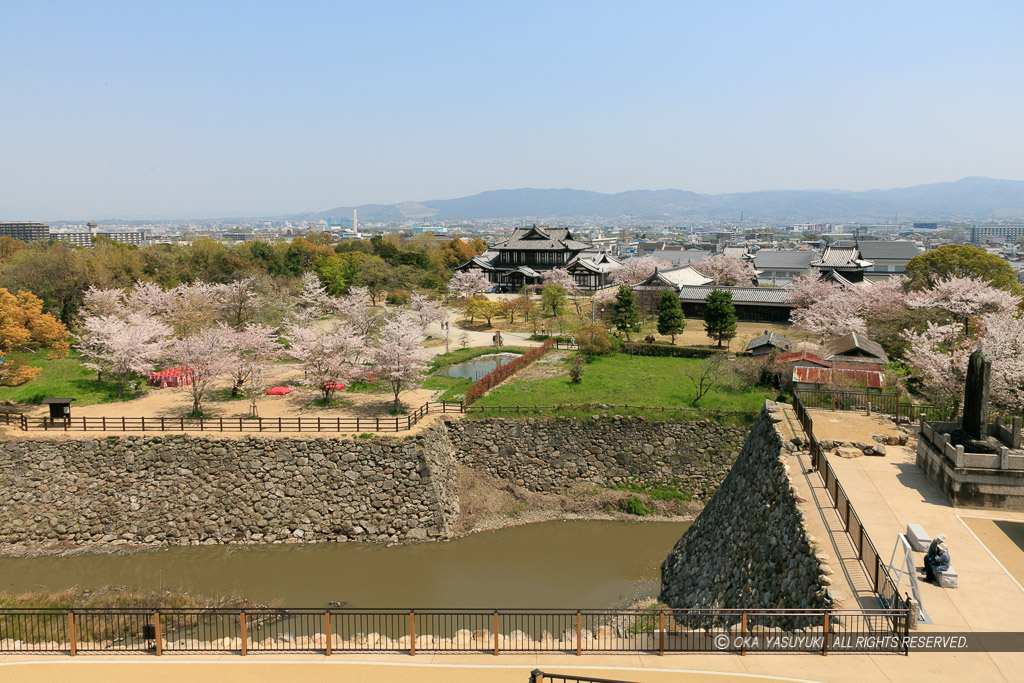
x,y
503,372
641,349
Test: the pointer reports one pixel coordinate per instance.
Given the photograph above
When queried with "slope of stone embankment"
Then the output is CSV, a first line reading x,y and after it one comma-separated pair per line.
x,y
749,548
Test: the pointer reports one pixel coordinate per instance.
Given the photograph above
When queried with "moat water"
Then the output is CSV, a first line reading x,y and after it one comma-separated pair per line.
x,y
577,564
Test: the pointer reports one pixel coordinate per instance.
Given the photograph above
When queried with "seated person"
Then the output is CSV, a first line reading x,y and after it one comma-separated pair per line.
x,y
936,563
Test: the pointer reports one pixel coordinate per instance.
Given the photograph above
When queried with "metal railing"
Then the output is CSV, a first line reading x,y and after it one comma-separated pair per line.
x,y
882,582
538,676
251,631
887,403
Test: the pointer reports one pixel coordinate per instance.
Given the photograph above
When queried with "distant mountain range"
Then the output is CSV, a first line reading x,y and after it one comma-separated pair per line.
x,y
966,199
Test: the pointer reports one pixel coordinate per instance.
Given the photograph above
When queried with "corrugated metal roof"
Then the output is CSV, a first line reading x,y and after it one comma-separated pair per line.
x,y
867,378
801,357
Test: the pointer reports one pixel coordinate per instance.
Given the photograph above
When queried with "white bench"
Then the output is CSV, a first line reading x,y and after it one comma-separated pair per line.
x,y
948,578
918,538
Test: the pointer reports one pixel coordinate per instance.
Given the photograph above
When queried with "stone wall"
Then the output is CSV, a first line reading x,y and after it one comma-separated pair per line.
x,y
178,489
187,490
748,548
551,454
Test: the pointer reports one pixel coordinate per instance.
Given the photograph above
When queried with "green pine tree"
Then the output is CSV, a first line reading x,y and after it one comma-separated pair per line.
x,y
627,317
671,320
720,316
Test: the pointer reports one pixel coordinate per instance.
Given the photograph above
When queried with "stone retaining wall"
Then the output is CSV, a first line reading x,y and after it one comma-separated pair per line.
x,y
189,490
179,489
749,547
550,454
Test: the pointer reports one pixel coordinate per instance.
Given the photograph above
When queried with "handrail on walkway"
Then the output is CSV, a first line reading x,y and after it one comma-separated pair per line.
x,y
883,583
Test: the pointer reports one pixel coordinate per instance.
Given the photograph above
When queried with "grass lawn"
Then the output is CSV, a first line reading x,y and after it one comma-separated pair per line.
x,y
64,378
620,379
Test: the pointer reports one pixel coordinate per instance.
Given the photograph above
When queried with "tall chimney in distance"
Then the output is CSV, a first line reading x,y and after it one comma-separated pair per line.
x,y
355,224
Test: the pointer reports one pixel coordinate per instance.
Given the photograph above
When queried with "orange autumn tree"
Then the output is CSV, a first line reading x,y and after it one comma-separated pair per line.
x,y
24,327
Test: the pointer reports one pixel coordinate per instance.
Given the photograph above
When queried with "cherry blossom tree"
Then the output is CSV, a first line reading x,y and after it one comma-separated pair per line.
x,y
147,298
964,298
256,348
194,307
884,299
638,268
357,312
426,310
833,316
806,290
313,299
237,301
938,358
1003,340
123,347
331,355
561,276
727,270
204,357
103,302
399,357
466,283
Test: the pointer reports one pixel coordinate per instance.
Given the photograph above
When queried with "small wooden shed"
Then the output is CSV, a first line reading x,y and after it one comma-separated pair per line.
x,y
60,408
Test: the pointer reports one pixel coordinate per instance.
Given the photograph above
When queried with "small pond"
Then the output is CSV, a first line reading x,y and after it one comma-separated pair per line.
x,y
476,368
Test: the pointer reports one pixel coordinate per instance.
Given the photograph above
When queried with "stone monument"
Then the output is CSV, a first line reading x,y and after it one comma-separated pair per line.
x,y
979,372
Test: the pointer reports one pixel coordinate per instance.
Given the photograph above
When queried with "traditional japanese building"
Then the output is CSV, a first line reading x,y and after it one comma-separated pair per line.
x,y
846,262
648,291
529,253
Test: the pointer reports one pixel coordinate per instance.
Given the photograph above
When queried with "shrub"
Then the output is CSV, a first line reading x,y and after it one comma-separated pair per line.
x,y
638,349
576,370
593,340
634,506
501,373
398,297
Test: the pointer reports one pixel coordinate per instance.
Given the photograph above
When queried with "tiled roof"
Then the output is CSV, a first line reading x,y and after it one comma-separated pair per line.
x,y
740,295
867,378
841,257
770,339
542,238
790,260
887,249
852,341
597,263
678,256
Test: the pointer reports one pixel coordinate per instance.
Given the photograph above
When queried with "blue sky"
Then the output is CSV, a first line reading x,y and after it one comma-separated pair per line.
x,y
178,109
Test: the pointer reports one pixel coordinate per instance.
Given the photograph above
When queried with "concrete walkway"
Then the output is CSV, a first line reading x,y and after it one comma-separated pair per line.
x,y
727,668
891,492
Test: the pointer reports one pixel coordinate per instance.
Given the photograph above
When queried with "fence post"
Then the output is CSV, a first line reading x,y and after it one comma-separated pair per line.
x,y
661,633
824,635
495,633
579,633
743,634
241,621
327,629
412,633
72,636
158,634
878,564
536,676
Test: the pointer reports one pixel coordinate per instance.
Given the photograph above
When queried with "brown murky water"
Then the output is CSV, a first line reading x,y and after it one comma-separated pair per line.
x,y
578,564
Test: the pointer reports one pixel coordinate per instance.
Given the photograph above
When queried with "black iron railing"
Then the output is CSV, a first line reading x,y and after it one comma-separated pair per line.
x,y
655,631
880,402
882,581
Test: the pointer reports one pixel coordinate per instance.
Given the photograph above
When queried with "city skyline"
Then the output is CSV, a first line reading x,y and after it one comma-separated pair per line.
x,y
251,109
